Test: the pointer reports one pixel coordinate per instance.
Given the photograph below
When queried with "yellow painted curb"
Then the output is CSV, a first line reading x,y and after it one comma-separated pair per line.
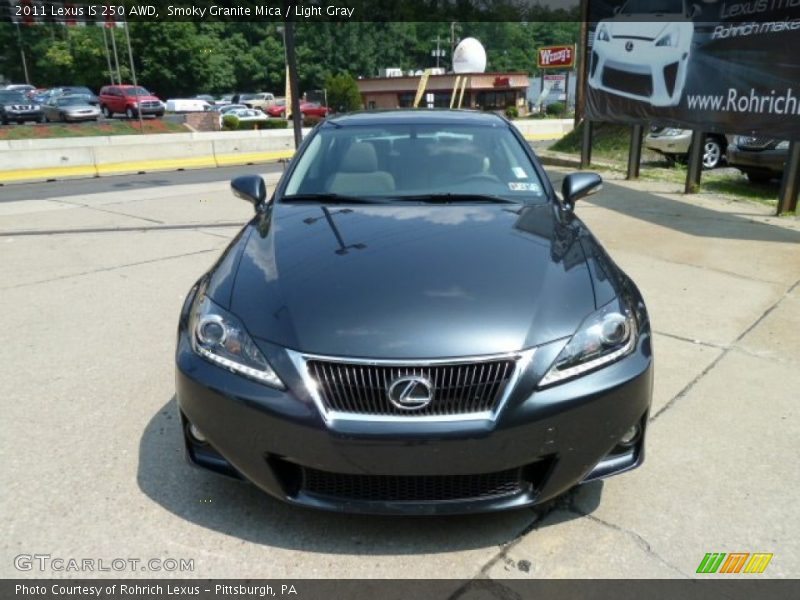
x,y
50,173
225,160
198,162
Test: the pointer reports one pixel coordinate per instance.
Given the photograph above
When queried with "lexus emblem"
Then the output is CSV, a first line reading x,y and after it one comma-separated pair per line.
x,y
411,392
629,46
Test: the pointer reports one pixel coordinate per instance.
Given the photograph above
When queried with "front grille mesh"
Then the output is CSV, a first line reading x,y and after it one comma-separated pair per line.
x,y
457,389
633,83
412,488
755,143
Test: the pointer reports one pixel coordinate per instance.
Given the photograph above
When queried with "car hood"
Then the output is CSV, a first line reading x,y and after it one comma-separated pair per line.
x,y
641,26
417,281
143,98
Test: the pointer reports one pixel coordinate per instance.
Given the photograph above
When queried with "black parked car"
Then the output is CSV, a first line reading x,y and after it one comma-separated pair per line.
x,y
760,158
15,106
414,322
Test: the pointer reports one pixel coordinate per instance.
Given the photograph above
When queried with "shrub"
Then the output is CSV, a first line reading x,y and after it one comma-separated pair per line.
x,y
557,109
512,112
273,124
311,120
230,122
343,94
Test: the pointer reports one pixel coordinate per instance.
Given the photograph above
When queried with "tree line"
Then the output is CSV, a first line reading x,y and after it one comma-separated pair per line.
x,y
178,59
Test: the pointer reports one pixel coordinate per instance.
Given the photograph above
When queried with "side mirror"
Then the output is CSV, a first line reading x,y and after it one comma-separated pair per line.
x,y
579,185
251,188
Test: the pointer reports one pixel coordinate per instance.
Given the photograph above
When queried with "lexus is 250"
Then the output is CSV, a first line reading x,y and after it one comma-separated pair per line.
x,y
643,52
413,322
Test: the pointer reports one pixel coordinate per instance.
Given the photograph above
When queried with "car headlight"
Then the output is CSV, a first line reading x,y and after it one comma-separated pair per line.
x,y
605,336
220,338
784,145
669,38
602,34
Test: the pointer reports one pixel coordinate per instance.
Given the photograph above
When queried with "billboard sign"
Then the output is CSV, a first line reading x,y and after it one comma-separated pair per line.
x,y
698,66
556,57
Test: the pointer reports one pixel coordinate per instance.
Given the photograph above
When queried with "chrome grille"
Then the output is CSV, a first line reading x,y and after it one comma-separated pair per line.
x,y
458,389
754,142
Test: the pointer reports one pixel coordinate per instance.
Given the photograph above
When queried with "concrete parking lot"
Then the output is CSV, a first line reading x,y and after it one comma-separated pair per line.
x,y
90,289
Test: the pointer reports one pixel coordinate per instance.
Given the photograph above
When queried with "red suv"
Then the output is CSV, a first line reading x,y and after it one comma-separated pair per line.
x,y
129,100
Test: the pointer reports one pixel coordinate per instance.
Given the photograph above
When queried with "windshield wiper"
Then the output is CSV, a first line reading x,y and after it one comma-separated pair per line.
x,y
450,198
330,198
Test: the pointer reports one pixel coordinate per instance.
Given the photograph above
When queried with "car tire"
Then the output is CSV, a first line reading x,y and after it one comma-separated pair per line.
x,y
129,113
713,153
758,176
107,112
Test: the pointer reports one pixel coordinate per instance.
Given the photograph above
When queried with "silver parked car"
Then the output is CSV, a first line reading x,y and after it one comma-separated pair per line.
x,y
674,145
70,108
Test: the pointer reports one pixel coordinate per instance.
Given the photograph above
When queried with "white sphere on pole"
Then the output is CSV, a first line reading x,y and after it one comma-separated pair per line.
x,y
469,57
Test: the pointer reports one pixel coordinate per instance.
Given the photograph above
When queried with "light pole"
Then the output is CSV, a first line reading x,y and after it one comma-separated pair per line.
x,y
438,53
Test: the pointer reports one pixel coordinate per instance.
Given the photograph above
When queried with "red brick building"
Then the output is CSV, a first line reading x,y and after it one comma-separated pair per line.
x,y
485,91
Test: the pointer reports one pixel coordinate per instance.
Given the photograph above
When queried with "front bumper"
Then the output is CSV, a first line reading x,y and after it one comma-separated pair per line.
x,y
23,115
766,161
670,145
552,439
651,74
82,116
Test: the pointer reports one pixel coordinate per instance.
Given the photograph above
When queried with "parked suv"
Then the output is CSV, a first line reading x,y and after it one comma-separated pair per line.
x,y
760,158
674,145
261,100
129,100
15,106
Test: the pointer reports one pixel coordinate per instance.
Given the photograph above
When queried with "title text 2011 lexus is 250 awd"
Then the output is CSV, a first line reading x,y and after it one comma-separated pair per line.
x,y
415,323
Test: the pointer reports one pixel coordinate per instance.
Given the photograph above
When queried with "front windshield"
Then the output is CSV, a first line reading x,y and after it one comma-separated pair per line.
x,y
71,101
412,161
13,98
137,91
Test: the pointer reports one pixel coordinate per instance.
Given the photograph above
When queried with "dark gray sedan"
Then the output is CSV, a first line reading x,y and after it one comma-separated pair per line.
x,y
70,108
413,322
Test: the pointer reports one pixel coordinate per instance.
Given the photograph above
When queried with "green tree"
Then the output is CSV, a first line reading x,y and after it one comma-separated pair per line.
x,y
343,94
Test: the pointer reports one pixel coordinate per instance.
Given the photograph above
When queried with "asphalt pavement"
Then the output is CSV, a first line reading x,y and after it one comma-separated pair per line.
x,y
92,278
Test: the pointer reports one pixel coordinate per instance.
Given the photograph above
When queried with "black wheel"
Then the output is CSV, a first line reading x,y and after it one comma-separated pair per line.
x,y
107,112
758,176
129,113
671,160
712,153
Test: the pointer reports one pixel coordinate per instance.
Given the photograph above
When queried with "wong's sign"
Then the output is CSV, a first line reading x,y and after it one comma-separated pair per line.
x,y
556,57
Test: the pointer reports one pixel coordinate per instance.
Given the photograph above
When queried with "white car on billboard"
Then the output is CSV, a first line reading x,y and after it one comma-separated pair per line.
x,y
643,52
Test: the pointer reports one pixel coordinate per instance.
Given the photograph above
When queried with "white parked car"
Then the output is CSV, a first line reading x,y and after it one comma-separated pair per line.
x,y
245,115
183,105
642,53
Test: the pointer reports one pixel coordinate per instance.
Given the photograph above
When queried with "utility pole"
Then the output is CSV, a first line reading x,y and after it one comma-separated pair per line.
x,y
22,56
291,62
438,53
452,41
133,77
116,57
108,55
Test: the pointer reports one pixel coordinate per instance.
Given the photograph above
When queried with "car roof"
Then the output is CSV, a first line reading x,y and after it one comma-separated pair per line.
x,y
418,115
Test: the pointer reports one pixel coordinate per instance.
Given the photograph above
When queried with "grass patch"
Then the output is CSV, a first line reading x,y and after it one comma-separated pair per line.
x,y
610,141
90,129
738,186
